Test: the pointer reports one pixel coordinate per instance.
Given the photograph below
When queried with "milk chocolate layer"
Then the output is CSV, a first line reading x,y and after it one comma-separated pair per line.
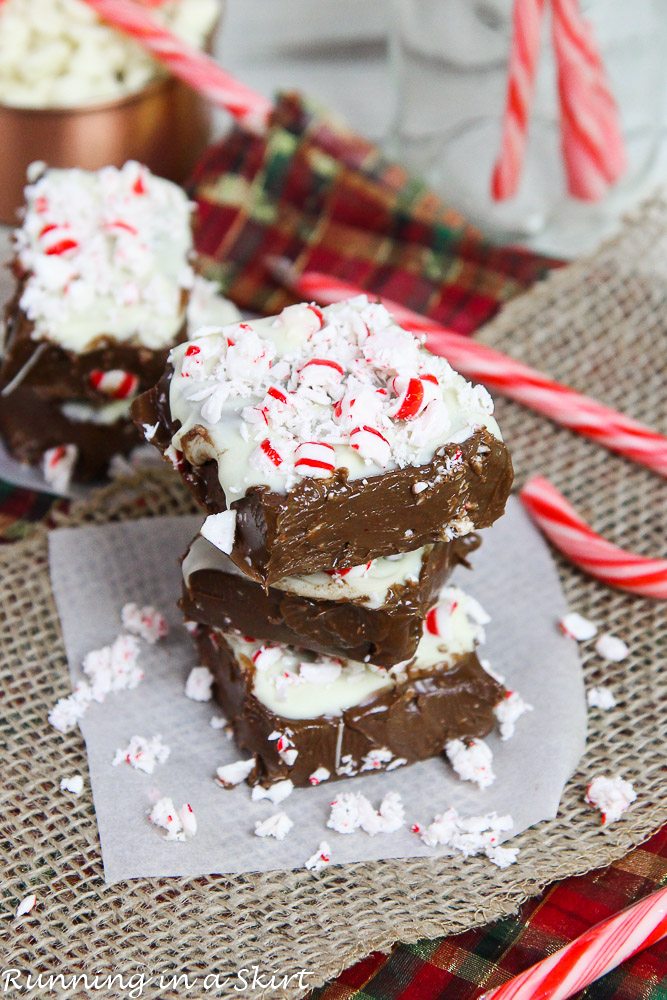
x,y
336,523
30,425
60,374
385,635
413,721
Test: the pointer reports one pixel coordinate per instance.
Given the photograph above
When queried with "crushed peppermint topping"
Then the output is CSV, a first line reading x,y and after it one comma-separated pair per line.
x,y
352,811
104,256
26,905
281,398
320,859
58,466
319,775
219,530
113,668
230,775
278,825
142,754
147,622
472,760
601,697
610,647
375,760
217,722
73,784
577,627
612,796
180,824
508,712
199,683
275,793
470,836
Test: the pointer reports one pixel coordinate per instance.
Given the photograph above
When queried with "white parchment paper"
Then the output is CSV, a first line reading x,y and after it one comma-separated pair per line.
x,y
95,570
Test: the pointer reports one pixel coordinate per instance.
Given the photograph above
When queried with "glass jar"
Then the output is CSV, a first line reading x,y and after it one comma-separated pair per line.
x,y
450,62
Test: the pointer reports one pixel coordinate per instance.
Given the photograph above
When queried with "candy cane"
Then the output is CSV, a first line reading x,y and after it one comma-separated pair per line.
x,y
524,54
511,378
591,137
202,73
559,521
591,955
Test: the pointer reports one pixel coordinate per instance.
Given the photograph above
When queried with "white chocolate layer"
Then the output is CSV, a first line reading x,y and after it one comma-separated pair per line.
x,y
310,391
296,684
369,584
107,253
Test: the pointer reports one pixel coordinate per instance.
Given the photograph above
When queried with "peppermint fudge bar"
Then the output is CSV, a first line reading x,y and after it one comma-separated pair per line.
x,y
104,277
308,718
373,613
331,437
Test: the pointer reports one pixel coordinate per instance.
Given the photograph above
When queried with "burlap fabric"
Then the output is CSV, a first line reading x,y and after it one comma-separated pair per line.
x,y
600,325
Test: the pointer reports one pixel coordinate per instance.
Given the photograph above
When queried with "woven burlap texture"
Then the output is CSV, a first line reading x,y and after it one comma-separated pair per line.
x,y
599,325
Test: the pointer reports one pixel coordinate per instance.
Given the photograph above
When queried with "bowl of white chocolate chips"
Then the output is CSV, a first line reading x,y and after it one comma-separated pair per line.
x,y
76,92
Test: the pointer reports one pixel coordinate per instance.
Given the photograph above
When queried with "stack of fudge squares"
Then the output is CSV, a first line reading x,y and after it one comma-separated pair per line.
x,y
105,286
344,470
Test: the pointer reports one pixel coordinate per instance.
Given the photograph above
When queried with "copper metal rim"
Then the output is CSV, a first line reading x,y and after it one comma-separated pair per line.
x,y
165,125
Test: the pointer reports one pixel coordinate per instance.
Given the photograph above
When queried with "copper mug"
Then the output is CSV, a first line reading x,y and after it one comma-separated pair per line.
x,y
165,125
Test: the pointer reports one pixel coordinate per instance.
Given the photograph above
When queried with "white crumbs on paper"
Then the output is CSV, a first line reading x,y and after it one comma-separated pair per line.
x,y
278,825
219,530
320,859
352,811
612,796
601,697
199,683
470,836
577,627
508,711
472,760
73,784
610,647
142,754
147,622
26,905
217,722
179,824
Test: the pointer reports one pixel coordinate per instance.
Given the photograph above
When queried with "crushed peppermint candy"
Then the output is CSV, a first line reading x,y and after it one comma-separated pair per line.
x,y
285,746
320,859
352,811
105,252
68,711
319,775
58,466
230,775
508,712
113,668
180,824
73,784
292,396
278,825
601,697
199,684
610,647
470,836
217,722
612,796
375,760
219,530
147,622
26,905
577,627
142,754
472,760
275,793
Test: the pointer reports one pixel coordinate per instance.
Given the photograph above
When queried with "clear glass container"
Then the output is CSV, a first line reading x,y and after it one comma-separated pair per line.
x,y
449,60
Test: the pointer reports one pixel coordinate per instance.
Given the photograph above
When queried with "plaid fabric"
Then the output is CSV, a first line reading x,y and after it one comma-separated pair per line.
x,y
460,967
318,194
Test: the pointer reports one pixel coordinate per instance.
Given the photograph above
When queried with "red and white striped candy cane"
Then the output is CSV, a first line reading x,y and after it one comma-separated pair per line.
x,y
524,56
511,378
590,956
591,137
561,524
202,73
